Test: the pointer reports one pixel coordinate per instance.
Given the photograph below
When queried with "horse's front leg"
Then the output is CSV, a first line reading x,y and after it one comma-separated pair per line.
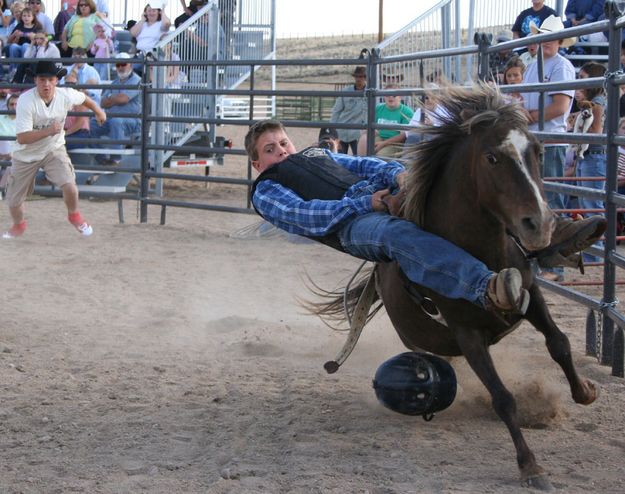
x,y
582,390
475,350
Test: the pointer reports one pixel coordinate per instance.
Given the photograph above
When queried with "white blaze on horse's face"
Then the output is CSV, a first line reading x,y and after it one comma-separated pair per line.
x,y
534,230
515,146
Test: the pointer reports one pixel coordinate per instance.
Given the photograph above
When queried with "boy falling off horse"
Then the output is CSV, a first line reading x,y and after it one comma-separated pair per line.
x,y
351,202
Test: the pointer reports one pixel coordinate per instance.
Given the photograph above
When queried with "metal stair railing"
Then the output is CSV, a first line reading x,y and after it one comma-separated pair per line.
x,y
225,30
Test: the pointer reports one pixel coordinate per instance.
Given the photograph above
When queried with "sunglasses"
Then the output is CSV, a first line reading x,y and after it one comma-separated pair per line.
x,y
121,64
83,5
34,2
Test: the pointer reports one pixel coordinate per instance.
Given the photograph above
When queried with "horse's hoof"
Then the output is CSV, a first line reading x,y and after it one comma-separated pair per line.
x,y
589,395
539,482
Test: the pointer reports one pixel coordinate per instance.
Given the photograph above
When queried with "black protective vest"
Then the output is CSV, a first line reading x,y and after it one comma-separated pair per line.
x,y
312,174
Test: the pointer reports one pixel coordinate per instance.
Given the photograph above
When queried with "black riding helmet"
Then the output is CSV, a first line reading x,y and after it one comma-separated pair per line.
x,y
415,384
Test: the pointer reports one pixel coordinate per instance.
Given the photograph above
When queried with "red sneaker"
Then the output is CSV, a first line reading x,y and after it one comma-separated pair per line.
x,y
15,230
80,224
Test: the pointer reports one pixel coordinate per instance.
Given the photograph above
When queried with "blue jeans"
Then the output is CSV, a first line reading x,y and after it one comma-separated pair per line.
x,y
592,165
17,51
425,258
117,129
82,134
553,166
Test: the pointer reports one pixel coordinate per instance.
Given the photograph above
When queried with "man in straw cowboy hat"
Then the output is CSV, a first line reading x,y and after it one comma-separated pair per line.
x,y
352,110
41,112
558,104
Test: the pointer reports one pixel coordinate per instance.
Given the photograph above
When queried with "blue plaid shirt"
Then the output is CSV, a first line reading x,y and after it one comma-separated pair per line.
x,y
285,209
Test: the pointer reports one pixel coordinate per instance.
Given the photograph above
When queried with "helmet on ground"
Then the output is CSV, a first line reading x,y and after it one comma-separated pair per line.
x,y
415,384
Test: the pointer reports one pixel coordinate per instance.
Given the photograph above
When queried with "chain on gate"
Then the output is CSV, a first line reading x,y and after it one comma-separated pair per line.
x,y
599,333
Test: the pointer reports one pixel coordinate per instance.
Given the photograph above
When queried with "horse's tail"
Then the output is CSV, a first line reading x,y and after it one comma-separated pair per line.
x,y
337,306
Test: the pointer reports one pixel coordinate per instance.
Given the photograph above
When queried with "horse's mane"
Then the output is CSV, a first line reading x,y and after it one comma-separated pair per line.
x,y
461,112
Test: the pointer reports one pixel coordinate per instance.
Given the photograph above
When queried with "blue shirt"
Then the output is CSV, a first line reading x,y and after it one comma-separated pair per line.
x,y
134,95
286,210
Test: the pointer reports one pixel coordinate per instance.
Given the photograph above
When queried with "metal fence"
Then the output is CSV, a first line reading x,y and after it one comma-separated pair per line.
x,y
607,343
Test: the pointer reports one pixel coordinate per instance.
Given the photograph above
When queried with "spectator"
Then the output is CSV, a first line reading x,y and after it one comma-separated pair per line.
x,y
62,18
174,76
41,144
578,12
557,108
119,101
498,60
536,14
21,37
102,7
592,163
5,20
40,48
16,13
189,11
78,32
4,97
85,74
329,139
75,125
7,129
102,47
38,9
351,110
392,111
530,55
148,30
513,74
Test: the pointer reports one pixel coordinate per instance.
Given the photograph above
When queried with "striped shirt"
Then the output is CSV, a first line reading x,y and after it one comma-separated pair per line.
x,y
315,218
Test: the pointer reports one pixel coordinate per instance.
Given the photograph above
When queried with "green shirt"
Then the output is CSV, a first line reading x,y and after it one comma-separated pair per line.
x,y
386,115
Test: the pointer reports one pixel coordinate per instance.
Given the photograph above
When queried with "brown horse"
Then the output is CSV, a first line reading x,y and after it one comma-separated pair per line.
x,y
475,181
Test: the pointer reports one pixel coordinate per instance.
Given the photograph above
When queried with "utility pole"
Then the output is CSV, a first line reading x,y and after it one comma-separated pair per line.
x,y
380,21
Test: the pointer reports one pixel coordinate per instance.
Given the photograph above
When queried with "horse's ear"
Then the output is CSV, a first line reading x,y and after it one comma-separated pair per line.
x,y
467,114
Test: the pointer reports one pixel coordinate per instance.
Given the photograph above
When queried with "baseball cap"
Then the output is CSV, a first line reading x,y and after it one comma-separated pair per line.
x,y
328,133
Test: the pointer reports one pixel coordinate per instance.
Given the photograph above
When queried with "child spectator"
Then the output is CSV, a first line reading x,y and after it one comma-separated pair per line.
x,y
75,125
40,48
392,111
513,74
102,47
21,37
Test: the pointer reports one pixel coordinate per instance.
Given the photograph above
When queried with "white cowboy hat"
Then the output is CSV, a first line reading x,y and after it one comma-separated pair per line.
x,y
553,24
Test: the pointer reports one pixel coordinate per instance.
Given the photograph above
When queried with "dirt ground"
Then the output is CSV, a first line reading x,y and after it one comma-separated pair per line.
x,y
176,359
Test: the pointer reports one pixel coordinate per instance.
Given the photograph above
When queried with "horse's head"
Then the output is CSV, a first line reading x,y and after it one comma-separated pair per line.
x,y
483,142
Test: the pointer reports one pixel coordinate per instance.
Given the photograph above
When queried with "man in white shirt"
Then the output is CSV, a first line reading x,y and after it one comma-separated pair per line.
x,y
41,113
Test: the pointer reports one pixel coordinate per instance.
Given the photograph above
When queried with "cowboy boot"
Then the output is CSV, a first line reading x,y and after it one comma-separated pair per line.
x,y
505,292
568,239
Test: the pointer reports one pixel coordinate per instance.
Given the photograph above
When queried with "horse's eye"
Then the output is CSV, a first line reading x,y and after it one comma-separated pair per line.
x,y
492,159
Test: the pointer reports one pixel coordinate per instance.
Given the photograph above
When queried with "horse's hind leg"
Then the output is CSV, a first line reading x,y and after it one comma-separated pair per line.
x,y
474,349
582,390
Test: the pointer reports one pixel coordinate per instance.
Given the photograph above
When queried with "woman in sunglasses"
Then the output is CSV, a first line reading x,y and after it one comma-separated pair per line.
x,y
78,32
